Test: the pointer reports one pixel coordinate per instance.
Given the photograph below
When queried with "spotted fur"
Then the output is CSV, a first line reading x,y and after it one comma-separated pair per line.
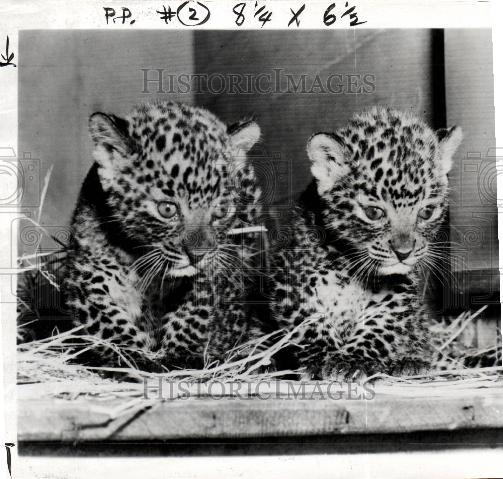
x,y
151,266
359,237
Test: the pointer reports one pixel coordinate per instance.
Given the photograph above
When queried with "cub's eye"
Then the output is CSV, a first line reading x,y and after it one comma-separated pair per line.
x,y
167,209
225,210
426,213
373,213
220,213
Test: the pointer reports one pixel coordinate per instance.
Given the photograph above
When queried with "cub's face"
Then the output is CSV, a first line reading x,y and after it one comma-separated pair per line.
x,y
173,177
383,180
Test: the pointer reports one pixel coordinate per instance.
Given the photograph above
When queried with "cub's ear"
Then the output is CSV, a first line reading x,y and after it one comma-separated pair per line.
x,y
449,140
327,153
243,136
110,136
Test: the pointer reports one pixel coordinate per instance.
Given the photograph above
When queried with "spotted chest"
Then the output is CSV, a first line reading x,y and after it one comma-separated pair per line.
x,y
337,301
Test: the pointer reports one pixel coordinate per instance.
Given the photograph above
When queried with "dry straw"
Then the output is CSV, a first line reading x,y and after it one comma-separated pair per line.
x,y
51,364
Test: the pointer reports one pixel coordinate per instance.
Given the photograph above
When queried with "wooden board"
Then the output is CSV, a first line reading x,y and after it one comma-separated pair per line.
x,y
90,419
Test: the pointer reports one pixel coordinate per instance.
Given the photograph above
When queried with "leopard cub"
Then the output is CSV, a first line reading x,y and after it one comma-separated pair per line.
x,y
152,266
360,234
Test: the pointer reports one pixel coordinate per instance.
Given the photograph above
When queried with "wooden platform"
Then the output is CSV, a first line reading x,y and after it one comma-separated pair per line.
x,y
97,419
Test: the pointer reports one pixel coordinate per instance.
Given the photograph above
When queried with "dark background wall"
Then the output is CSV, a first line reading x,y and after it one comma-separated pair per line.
x,y
473,212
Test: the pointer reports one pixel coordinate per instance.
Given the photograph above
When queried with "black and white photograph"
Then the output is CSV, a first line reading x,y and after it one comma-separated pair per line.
x,y
253,243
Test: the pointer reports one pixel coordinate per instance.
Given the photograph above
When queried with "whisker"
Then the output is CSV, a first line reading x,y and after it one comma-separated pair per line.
x,y
144,261
166,269
149,277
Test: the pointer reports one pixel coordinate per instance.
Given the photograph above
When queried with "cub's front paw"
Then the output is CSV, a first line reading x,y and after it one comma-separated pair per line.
x,y
348,370
410,367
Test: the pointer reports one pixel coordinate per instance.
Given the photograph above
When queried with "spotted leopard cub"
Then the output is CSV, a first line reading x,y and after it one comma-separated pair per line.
x,y
361,232
152,265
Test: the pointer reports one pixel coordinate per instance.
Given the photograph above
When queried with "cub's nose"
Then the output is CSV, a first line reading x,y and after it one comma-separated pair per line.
x,y
197,242
402,251
401,255
195,255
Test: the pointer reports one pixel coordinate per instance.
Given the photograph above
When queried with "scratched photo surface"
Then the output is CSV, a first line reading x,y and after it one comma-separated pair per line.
x,y
243,206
